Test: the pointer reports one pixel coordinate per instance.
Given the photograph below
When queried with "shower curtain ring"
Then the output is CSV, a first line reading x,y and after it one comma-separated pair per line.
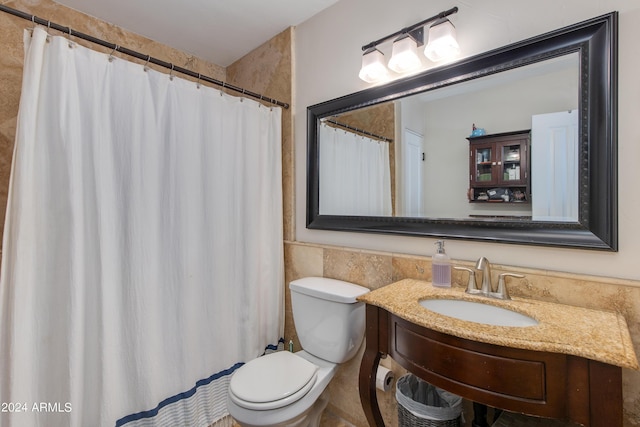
x,y
71,43
171,73
115,49
33,20
198,83
146,64
48,35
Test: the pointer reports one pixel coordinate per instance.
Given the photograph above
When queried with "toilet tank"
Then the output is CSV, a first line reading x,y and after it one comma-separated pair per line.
x,y
329,321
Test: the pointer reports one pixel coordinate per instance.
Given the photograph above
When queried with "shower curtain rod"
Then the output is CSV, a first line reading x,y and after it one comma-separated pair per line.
x,y
364,132
147,58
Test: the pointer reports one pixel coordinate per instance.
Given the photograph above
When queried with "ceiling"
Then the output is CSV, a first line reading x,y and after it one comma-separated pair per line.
x,y
219,31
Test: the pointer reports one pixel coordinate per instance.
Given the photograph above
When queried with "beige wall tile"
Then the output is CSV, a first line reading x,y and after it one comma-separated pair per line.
x,y
368,269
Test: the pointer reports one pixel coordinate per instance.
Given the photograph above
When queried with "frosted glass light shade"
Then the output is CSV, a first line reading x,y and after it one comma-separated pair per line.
x,y
404,56
373,66
442,42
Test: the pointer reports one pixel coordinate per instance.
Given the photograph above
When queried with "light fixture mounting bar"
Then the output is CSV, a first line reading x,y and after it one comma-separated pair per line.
x,y
413,27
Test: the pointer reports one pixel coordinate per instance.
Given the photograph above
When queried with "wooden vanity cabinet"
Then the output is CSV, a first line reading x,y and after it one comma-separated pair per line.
x,y
537,383
500,161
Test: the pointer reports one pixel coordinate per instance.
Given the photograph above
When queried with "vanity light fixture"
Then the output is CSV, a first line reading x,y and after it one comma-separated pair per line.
x,y
373,69
441,44
442,41
404,54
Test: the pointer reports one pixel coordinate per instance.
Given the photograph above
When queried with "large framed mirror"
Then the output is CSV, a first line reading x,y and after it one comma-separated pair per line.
x,y
413,149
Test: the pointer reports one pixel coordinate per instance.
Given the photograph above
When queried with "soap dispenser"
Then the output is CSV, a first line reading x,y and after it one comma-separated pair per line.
x,y
441,267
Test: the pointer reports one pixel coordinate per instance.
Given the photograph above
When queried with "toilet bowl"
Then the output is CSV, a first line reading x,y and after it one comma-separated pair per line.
x,y
287,389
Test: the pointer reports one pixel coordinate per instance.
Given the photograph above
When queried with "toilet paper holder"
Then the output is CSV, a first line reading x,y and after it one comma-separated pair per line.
x,y
384,378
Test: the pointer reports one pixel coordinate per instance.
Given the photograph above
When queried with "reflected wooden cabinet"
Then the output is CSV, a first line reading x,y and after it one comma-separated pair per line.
x,y
499,167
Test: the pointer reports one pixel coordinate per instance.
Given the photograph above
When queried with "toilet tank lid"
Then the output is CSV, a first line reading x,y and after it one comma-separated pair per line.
x,y
328,289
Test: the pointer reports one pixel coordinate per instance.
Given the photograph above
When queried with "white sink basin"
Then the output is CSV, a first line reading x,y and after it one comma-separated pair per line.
x,y
478,312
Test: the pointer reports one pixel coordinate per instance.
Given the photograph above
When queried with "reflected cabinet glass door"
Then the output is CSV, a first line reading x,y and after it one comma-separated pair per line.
x,y
511,165
483,156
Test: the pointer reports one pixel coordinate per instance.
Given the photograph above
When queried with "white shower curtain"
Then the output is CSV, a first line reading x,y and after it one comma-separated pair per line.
x,y
355,177
143,255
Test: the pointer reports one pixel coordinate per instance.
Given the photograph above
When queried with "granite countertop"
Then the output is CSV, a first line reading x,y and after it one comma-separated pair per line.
x,y
592,334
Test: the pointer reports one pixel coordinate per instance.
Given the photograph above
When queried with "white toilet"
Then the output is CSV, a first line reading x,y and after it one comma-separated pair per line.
x,y
283,388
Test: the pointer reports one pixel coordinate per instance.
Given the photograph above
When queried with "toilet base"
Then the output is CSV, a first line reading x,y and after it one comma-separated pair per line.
x,y
310,418
315,414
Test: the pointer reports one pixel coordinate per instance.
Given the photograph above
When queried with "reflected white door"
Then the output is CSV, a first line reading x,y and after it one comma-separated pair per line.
x,y
554,166
411,191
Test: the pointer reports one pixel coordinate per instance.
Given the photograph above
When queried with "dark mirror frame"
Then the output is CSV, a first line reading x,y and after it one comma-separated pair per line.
x,y
596,41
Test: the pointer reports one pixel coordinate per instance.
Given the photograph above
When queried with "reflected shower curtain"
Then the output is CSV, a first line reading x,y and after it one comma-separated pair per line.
x,y
142,256
355,177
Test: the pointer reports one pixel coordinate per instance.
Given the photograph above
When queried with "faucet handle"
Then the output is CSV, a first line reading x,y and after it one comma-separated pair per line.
x,y
472,288
502,292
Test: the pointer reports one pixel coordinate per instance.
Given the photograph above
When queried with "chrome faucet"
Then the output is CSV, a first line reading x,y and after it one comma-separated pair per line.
x,y
484,266
486,288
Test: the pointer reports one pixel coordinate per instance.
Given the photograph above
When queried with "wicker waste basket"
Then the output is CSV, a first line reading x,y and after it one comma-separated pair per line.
x,y
421,404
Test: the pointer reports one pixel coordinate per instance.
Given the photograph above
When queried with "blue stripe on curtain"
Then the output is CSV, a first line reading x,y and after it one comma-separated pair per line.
x,y
173,399
145,415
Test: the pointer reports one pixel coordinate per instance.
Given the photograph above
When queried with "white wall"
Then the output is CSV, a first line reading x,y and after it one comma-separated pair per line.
x,y
327,61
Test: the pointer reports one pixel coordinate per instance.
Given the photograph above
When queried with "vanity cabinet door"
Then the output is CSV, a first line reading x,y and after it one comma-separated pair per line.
x,y
512,379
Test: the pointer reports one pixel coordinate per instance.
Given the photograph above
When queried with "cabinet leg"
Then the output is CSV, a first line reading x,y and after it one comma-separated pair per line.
x,y
367,386
479,415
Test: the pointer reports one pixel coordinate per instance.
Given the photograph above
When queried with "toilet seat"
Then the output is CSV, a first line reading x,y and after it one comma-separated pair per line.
x,y
272,381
